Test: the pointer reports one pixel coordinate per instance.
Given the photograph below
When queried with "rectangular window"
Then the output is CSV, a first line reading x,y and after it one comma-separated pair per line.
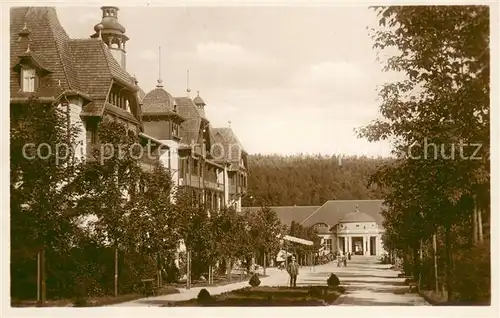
x,y
94,136
28,77
328,244
195,167
175,129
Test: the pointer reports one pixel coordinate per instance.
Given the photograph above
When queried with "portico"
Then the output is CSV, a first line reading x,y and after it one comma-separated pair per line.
x,y
368,245
357,233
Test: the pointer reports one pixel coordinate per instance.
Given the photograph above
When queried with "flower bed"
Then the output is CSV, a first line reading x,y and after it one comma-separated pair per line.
x,y
269,296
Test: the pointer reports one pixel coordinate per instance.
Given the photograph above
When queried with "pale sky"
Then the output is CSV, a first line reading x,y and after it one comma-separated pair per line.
x,y
290,80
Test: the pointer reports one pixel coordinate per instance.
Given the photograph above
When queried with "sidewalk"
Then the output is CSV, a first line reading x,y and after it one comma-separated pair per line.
x,y
275,277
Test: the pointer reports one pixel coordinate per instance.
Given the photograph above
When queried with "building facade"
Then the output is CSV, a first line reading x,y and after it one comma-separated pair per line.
x,y
89,78
346,226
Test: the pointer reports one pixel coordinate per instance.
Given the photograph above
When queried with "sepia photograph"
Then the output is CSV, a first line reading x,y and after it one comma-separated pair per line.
x,y
251,156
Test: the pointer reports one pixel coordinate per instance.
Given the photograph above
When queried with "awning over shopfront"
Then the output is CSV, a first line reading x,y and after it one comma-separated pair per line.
x,y
297,240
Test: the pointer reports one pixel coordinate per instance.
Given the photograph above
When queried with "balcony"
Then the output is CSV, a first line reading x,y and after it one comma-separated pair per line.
x,y
192,181
213,185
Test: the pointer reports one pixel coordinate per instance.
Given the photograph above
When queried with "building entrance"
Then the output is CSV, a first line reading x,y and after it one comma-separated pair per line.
x,y
357,245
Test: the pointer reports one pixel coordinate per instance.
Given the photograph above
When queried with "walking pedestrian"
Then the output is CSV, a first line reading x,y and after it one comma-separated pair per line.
x,y
339,259
293,271
345,261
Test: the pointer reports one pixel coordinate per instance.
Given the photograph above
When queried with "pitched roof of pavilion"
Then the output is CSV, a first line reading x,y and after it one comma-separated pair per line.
x,y
330,213
333,211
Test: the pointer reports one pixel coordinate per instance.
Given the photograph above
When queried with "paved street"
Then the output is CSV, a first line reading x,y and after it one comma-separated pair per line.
x,y
367,282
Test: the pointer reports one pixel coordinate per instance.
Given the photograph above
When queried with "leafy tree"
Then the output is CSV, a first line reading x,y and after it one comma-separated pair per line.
x,y
105,182
265,230
227,228
444,101
152,223
195,228
306,233
42,164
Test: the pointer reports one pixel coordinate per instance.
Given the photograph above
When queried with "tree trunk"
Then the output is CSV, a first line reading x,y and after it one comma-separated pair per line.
x,y
474,224
434,248
229,269
188,270
38,279
480,225
116,271
416,261
449,263
265,263
41,287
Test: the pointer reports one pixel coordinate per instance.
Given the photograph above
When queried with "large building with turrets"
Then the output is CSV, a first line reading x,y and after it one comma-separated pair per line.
x,y
89,78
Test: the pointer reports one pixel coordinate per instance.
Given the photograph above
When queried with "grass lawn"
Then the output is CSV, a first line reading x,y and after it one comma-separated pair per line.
x,y
269,296
92,301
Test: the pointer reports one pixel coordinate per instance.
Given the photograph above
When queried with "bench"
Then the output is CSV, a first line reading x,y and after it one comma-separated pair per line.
x,y
149,287
412,285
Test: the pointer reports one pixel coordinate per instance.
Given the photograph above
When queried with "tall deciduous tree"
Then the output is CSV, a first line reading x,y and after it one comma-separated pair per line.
x,y
42,141
265,230
152,225
438,118
106,181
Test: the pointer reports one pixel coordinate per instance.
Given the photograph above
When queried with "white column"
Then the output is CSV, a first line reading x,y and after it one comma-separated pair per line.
x,y
346,243
378,249
364,244
349,244
369,244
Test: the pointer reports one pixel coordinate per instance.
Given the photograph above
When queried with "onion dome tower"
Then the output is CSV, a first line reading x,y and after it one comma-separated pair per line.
x,y
112,33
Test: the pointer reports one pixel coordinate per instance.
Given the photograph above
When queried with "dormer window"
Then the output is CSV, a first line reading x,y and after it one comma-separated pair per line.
x,y
28,79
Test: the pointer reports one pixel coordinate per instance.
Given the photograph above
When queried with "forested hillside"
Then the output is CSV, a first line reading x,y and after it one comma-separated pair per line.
x,y
310,180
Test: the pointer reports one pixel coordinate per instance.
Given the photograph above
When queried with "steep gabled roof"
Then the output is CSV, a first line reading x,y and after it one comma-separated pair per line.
x,y
97,67
48,40
334,210
233,149
329,213
83,66
190,128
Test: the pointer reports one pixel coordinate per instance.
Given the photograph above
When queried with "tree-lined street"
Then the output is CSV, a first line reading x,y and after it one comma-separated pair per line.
x,y
367,283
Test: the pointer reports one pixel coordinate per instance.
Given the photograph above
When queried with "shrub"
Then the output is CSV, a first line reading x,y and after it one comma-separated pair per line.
x,y
315,291
204,297
254,280
333,280
173,274
472,277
